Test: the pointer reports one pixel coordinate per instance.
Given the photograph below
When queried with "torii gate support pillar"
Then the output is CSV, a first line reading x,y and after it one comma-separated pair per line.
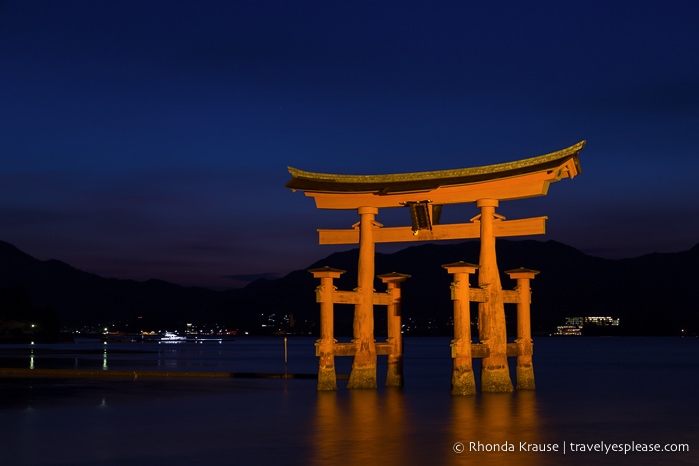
x,y
525,367
462,379
325,346
394,375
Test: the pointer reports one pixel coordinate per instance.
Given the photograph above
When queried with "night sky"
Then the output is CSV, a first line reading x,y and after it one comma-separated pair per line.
x,y
150,139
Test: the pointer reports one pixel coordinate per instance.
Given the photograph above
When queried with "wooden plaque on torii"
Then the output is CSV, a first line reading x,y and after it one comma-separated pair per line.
x,y
424,193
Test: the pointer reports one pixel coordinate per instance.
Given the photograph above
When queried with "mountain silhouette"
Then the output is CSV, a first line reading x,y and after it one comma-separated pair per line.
x,y
80,297
651,294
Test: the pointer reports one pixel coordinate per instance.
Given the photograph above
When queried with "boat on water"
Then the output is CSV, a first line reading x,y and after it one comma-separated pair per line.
x,y
171,337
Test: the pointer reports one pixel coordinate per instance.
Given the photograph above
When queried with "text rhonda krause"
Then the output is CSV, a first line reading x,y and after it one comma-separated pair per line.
x,y
574,447
507,446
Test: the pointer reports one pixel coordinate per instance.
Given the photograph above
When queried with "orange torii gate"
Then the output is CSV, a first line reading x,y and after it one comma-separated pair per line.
x,y
425,193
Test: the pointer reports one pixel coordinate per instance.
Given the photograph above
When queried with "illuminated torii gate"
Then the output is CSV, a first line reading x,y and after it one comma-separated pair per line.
x,y
425,193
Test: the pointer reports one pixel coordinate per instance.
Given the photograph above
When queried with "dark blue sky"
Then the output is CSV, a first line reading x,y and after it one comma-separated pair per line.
x,y
150,139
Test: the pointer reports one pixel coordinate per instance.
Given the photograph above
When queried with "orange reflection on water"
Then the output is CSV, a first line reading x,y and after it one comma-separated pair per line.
x,y
490,427
391,428
359,427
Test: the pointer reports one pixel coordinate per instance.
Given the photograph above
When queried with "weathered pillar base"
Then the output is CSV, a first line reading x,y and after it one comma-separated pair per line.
x,y
394,376
363,373
525,377
327,380
463,381
496,379
364,377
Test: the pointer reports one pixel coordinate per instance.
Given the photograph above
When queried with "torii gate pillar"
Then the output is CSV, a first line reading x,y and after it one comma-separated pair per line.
x,y
525,367
363,373
463,381
394,376
495,375
325,346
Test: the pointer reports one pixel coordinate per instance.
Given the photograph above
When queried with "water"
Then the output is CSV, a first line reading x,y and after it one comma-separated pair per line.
x,y
589,390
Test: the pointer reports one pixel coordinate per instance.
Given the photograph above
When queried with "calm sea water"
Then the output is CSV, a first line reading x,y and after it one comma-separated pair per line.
x,y
590,391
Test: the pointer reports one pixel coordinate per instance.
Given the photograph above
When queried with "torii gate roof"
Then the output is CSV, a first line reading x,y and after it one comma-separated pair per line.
x,y
511,180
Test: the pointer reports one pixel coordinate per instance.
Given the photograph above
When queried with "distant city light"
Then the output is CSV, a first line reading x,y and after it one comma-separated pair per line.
x,y
574,325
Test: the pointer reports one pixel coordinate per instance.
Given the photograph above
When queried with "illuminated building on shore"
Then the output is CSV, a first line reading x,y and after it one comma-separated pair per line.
x,y
574,325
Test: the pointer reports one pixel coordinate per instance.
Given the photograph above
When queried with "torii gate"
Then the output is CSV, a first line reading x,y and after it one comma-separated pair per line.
x,y
424,193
